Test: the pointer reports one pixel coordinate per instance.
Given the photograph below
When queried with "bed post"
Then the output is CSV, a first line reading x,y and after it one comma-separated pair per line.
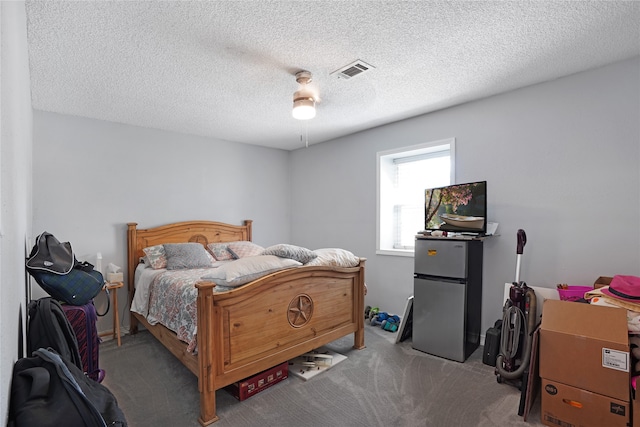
x,y
206,353
358,340
132,262
248,223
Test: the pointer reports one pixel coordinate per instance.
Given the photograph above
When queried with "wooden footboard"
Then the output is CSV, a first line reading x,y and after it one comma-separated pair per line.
x,y
281,316
259,325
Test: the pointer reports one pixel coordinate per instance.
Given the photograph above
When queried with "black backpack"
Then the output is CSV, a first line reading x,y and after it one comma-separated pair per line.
x,y
50,328
48,391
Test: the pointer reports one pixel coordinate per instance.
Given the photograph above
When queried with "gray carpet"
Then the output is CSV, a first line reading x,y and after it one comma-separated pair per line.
x,y
386,384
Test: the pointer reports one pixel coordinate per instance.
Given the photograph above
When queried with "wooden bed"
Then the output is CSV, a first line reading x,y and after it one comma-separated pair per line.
x,y
256,326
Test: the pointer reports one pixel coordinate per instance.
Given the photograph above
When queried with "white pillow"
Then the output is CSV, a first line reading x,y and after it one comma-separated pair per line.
x,y
244,270
335,257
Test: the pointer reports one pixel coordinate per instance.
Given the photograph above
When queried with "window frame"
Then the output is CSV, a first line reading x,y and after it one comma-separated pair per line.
x,y
384,169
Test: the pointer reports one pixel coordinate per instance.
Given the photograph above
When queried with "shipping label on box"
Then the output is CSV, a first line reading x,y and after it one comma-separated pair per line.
x,y
615,359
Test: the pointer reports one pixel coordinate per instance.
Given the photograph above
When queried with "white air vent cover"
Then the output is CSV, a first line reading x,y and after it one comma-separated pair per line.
x,y
354,69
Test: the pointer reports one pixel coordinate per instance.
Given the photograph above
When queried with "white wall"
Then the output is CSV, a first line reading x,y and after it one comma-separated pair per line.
x,y
15,188
561,160
91,177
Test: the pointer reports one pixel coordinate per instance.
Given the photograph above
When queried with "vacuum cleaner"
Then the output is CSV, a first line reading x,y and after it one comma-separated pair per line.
x,y
518,322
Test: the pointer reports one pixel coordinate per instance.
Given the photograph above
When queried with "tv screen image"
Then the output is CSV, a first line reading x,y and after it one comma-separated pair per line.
x,y
457,208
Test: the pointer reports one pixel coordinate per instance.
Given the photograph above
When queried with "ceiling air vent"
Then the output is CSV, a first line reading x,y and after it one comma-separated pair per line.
x,y
354,69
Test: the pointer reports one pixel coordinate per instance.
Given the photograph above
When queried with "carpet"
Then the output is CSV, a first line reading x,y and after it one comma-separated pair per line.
x,y
384,384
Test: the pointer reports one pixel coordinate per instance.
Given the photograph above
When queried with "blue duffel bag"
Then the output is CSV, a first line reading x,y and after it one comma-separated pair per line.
x,y
55,268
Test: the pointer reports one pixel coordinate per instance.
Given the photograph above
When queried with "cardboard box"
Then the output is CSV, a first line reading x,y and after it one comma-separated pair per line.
x,y
563,405
251,386
602,281
587,347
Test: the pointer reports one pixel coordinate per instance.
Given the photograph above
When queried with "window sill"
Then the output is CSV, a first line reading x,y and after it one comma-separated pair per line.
x,y
396,252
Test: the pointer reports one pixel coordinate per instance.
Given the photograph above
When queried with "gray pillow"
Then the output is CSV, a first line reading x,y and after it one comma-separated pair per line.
x,y
297,253
186,255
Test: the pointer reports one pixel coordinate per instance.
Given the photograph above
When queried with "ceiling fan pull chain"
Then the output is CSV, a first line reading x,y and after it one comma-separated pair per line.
x,y
306,134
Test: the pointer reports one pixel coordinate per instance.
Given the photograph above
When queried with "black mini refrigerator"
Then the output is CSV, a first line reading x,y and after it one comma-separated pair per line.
x,y
447,297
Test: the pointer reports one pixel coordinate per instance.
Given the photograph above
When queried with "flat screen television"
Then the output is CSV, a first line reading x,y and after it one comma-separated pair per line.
x,y
459,208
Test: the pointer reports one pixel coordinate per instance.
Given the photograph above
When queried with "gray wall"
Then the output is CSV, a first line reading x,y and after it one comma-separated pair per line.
x,y
15,188
92,177
561,160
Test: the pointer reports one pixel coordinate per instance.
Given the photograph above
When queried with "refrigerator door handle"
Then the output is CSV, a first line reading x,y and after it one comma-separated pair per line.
x,y
440,278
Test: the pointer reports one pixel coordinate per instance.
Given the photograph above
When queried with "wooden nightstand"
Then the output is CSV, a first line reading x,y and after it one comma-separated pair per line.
x,y
113,289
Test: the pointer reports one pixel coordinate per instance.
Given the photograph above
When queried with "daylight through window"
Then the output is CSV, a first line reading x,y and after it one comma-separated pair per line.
x,y
403,177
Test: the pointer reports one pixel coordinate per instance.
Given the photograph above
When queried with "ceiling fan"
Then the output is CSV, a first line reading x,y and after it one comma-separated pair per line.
x,y
304,99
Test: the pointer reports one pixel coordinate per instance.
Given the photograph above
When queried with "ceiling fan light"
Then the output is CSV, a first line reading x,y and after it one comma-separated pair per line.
x,y
304,108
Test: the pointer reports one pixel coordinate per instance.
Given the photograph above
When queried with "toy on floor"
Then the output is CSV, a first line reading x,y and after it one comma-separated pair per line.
x,y
377,318
388,322
367,310
391,324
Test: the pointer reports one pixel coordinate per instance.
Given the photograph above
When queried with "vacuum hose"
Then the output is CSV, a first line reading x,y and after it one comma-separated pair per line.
x,y
510,337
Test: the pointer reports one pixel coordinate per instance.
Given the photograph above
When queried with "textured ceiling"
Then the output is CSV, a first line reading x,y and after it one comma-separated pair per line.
x,y
225,69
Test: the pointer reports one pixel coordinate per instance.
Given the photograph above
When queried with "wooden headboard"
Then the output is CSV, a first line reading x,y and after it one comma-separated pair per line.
x,y
204,232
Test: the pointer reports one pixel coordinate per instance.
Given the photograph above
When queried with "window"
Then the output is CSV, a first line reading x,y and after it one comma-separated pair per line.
x,y
403,176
